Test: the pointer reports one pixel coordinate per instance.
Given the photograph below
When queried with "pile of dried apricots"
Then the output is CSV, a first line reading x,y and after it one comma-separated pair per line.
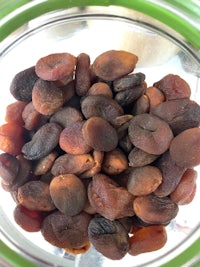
x,y
92,155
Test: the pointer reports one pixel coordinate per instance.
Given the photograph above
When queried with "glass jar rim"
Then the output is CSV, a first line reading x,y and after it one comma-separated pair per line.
x,y
181,16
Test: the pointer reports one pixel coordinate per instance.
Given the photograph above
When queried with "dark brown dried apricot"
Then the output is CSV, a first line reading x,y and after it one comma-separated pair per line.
x,y
150,133
185,148
109,238
29,220
66,116
22,84
23,175
48,134
82,74
101,106
155,210
72,140
9,167
128,82
66,231
55,67
125,144
147,239
138,157
171,174
114,64
128,96
68,194
99,134
141,105
35,195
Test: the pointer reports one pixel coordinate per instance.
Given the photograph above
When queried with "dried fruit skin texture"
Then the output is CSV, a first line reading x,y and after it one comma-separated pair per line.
x,y
185,148
68,194
95,156
114,64
150,134
148,239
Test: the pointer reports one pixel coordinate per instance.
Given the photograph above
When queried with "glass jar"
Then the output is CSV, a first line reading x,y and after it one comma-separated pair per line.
x,y
166,37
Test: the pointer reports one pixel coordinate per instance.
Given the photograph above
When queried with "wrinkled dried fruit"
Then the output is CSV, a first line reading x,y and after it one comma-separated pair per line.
x,y
109,199
180,114
128,96
114,162
143,180
100,88
22,84
29,220
47,97
114,64
11,138
138,157
128,81
48,134
66,231
74,164
9,167
32,118
109,237
43,165
72,140
35,195
101,106
14,112
173,87
171,174
147,239
66,116
150,134
82,76
155,210
55,67
99,134
186,189
68,194
185,148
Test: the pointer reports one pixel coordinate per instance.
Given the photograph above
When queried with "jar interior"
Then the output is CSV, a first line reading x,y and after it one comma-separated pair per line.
x,y
93,31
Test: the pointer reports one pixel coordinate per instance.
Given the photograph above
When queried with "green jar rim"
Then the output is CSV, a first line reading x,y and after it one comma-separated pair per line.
x,y
185,21
182,16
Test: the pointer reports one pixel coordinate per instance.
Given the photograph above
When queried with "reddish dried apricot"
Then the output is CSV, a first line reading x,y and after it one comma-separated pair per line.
x,y
114,64
99,134
147,239
185,148
173,87
55,67
72,140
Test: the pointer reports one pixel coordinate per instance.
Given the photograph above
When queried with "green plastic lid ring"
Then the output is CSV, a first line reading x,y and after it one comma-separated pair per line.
x,y
182,16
